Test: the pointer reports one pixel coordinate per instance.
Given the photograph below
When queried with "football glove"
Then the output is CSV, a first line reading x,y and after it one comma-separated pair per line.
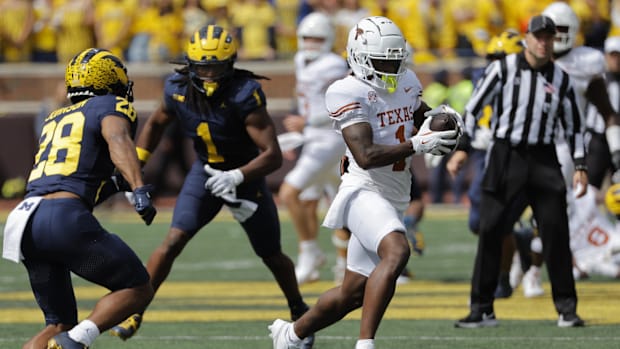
x,y
143,204
434,142
482,138
222,182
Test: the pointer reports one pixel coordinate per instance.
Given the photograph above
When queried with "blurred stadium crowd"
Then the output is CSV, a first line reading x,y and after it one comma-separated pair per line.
x,y
155,30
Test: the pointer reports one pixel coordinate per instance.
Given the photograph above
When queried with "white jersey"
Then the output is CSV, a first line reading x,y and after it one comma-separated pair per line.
x,y
313,78
317,168
594,238
583,64
390,115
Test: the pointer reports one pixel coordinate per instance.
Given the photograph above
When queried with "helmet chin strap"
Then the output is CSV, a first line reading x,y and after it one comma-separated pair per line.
x,y
129,94
206,87
209,87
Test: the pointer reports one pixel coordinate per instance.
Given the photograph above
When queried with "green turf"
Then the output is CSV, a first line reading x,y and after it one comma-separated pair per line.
x,y
221,253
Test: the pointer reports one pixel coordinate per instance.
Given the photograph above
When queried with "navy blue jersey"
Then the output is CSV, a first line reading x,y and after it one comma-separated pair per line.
x,y
218,133
73,156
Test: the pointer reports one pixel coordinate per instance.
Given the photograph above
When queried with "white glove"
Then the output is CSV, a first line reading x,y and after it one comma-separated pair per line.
x,y
434,142
432,161
130,198
222,182
482,138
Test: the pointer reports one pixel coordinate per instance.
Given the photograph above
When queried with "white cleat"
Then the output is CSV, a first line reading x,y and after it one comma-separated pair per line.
x,y
308,264
278,335
339,270
516,273
532,283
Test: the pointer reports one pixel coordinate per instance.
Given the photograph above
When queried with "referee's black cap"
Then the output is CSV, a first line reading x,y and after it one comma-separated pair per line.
x,y
541,23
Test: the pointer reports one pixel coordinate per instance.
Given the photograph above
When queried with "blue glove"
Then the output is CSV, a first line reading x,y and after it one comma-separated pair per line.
x,y
143,204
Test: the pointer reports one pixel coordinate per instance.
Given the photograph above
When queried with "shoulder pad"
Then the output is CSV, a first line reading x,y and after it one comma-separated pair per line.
x,y
347,96
583,63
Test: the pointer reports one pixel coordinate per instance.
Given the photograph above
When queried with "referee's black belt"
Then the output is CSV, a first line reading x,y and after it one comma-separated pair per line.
x,y
525,146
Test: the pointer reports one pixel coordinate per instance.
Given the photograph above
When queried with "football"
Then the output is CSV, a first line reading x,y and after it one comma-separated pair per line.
x,y
443,122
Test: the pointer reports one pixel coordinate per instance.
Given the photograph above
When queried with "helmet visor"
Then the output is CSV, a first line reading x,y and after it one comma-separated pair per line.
x,y
210,71
386,66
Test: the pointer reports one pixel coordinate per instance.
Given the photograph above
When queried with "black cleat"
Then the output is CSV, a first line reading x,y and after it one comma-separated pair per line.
x,y
570,320
477,320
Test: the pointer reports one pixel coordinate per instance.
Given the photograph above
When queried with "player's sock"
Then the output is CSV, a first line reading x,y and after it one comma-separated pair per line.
x,y
85,332
365,344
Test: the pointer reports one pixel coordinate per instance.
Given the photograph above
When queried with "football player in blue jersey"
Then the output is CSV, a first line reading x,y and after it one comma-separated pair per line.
x,y
223,110
53,231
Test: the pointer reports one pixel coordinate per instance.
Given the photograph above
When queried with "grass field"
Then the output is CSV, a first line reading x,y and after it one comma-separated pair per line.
x,y
220,296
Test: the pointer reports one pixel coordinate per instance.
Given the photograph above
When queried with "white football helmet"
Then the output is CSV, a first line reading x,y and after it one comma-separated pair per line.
x,y
566,23
315,25
375,39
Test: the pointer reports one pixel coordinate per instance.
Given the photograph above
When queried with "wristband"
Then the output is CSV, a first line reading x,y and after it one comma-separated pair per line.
x,y
581,168
143,154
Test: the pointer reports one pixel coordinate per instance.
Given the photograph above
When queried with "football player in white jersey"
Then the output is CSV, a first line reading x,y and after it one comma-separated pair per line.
x,y
600,158
316,171
595,240
586,66
377,110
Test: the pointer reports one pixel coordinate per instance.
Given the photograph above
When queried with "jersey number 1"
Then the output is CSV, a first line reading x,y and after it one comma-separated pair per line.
x,y
400,164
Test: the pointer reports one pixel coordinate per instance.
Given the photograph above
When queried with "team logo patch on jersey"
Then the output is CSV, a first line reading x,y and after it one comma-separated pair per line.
x,y
372,96
178,97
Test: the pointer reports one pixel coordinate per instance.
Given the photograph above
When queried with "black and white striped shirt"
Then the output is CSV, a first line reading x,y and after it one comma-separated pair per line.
x,y
528,104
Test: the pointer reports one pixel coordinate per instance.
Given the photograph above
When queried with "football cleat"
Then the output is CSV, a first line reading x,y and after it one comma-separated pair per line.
x,y
532,283
477,320
127,328
570,320
278,335
516,273
307,342
63,341
308,264
339,269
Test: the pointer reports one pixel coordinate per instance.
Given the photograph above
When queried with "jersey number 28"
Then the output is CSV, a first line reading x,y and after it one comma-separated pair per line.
x,y
62,141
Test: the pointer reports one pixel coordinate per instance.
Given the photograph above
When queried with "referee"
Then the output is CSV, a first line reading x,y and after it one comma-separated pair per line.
x,y
532,99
